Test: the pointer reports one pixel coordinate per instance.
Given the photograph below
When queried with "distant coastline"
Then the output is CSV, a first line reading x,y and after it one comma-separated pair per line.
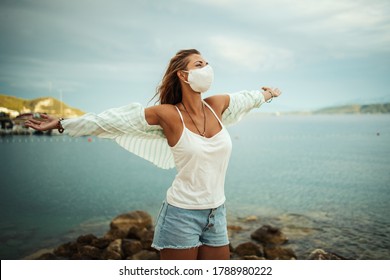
x,y
14,111
381,108
14,106
353,109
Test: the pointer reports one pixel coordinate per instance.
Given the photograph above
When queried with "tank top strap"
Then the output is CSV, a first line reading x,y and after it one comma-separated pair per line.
x,y
211,109
181,116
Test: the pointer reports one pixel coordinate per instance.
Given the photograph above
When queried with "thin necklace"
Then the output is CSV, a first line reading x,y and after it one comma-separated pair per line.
x,y
204,125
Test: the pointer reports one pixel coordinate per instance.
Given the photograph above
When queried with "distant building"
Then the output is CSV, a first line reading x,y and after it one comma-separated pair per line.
x,y
5,121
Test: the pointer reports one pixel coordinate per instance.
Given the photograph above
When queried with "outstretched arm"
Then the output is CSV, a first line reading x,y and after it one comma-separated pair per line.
x,y
110,123
132,126
241,103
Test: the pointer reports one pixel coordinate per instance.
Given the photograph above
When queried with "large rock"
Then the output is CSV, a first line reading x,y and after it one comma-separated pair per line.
x,y
145,255
86,239
111,255
89,252
253,258
101,243
130,237
269,235
114,250
249,249
145,235
121,225
66,250
131,247
279,253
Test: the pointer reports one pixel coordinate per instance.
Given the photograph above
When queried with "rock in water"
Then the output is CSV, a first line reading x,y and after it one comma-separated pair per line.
x,y
114,250
249,249
120,226
101,243
146,255
252,218
66,250
89,252
130,237
86,239
319,254
131,247
269,235
279,253
143,234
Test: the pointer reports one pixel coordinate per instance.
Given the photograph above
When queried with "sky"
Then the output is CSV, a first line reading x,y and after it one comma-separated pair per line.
x,y
96,54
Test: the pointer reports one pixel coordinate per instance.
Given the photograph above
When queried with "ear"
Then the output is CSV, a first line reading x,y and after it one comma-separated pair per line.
x,y
181,75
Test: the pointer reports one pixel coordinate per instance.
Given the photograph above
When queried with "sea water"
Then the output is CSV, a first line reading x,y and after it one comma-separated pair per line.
x,y
323,179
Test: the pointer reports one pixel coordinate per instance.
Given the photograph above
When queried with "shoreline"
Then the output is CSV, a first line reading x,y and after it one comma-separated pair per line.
x,y
130,234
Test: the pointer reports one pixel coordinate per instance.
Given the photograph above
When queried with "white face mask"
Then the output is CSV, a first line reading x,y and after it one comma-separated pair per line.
x,y
200,79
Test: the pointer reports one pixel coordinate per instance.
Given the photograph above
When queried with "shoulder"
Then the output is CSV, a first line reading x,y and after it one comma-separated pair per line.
x,y
219,102
165,110
154,115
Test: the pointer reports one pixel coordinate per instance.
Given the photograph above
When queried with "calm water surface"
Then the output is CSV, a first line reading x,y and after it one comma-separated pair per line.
x,y
325,180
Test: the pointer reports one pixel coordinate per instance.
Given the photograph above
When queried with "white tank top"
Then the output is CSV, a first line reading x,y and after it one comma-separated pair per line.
x,y
201,164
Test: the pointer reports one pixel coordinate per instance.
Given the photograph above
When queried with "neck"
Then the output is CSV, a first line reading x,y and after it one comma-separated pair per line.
x,y
193,102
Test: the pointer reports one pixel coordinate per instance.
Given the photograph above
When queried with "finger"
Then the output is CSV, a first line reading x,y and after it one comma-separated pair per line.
x,y
35,122
44,116
29,124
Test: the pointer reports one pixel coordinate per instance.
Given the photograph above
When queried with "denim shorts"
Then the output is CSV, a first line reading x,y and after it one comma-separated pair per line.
x,y
178,228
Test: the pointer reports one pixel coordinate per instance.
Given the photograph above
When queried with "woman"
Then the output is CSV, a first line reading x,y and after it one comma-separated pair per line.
x,y
183,131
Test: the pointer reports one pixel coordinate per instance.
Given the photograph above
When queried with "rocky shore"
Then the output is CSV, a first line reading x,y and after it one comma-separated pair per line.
x,y
130,237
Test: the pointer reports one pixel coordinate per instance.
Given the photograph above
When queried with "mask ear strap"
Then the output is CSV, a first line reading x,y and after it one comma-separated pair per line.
x,y
188,73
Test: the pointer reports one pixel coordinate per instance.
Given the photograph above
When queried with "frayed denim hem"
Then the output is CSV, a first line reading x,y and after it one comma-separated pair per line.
x,y
215,245
159,248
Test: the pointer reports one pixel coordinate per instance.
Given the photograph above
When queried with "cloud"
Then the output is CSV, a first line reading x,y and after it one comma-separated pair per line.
x,y
347,27
251,55
331,28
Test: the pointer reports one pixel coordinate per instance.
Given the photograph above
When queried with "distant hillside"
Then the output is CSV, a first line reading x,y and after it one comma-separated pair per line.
x,y
14,105
357,109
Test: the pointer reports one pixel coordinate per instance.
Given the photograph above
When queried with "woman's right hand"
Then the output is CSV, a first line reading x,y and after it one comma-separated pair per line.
x,y
46,123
